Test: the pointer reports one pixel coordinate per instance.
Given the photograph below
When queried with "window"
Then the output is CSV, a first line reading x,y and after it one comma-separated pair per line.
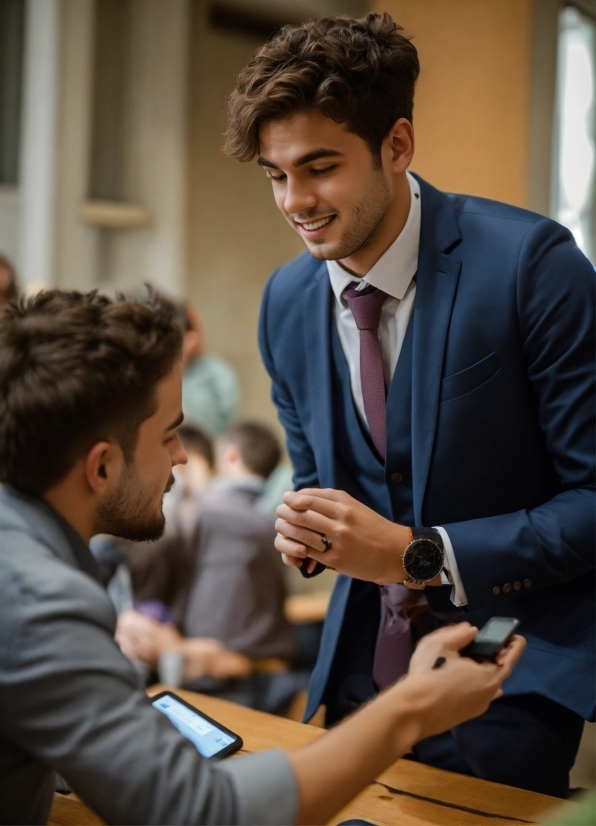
x,y
12,20
574,196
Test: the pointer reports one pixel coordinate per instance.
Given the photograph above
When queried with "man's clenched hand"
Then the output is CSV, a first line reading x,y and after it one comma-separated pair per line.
x,y
364,545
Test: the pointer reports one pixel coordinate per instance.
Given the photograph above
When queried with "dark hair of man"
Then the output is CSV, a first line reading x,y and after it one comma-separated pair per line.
x,y
360,73
76,369
195,439
182,317
259,448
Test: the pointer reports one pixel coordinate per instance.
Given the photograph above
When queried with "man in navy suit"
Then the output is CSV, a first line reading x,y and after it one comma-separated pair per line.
x,y
432,364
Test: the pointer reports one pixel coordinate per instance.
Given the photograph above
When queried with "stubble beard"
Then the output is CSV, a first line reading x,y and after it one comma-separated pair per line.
x,y
130,512
369,214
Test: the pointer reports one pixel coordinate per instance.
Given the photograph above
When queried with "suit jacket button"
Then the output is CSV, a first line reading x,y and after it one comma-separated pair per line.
x,y
506,587
496,590
397,477
527,583
516,586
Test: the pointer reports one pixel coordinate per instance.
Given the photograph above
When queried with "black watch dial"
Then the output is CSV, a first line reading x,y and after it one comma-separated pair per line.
x,y
423,560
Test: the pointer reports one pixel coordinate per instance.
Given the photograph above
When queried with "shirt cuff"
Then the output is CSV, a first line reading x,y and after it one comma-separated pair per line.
x,y
458,594
266,788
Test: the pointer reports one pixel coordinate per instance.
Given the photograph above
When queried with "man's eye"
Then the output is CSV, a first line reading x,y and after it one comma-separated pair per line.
x,y
275,177
324,170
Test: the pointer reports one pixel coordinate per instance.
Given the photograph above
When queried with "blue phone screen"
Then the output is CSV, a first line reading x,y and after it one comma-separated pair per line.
x,y
207,738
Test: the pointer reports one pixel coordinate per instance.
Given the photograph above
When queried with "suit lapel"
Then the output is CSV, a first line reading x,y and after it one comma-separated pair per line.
x,y
317,333
436,285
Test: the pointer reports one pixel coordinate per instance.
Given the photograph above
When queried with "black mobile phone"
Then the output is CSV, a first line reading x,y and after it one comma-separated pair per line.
x,y
491,638
210,738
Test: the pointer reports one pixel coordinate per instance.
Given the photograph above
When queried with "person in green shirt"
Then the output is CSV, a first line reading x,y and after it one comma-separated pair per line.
x,y
210,387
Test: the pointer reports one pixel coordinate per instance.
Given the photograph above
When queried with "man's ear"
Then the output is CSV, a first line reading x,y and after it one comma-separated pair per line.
x,y
103,466
400,145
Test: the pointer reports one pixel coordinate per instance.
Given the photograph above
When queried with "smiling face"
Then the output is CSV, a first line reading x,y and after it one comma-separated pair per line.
x,y
344,203
133,510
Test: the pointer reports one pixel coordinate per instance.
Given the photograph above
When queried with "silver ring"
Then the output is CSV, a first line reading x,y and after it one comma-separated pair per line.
x,y
326,542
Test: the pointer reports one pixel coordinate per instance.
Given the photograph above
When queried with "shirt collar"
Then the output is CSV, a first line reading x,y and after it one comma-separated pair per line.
x,y
395,269
79,551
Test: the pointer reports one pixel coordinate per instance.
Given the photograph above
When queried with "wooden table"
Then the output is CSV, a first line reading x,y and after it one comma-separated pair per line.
x,y
408,794
302,608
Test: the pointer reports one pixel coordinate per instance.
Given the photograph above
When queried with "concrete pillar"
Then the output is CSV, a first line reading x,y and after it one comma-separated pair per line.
x,y
38,153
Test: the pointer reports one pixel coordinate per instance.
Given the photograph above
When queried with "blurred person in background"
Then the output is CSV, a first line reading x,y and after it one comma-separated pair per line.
x,y
234,600
8,281
210,389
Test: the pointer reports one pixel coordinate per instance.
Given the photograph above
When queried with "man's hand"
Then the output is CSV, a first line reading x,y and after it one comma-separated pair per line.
x,y
460,688
364,545
144,639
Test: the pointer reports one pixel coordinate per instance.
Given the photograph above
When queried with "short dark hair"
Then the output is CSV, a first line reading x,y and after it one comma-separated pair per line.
x,y
358,72
259,448
75,369
195,439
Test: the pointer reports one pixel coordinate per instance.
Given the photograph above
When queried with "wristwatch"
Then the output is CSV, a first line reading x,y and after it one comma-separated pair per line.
x,y
423,557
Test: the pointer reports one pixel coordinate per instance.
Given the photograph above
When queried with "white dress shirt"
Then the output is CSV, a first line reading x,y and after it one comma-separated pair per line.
x,y
394,274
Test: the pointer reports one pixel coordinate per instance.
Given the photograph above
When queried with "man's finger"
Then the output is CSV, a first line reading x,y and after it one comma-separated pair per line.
x,y
454,637
306,519
291,561
301,501
290,547
330,494
509,656
310,540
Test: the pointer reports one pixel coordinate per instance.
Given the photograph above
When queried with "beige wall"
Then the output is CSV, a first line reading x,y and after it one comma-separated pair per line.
x,y
236,236
472,112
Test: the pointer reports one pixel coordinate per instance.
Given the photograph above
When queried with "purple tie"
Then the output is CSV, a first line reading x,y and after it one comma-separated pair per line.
x,y
398,604
393,650
366,307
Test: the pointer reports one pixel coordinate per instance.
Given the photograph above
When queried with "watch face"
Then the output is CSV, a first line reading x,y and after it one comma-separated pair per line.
x,y
423,560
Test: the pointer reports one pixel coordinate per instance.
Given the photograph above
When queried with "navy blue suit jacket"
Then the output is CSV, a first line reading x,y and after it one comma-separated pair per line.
x,y
502,423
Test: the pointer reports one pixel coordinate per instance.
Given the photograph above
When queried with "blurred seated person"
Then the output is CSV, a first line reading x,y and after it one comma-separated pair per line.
x,y
228,626
210,389
161,571
8,281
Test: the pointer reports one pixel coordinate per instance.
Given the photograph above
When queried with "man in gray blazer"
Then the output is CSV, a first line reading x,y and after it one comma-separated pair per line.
x,y
90,393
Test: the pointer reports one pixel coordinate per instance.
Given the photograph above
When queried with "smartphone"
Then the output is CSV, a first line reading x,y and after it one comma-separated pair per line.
x,y
491,638
211,739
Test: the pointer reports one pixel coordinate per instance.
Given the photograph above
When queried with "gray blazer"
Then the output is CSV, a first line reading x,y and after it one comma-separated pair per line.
x,y
238,590
70,702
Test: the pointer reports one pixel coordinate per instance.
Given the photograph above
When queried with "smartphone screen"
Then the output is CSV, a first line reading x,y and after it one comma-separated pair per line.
x,y
210,739
497,630
491,638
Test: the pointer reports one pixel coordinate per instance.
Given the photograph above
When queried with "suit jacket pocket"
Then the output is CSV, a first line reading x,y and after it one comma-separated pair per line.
x,y
470,379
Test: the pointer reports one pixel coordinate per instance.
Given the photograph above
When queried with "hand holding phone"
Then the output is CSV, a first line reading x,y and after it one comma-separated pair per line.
x,y
491,639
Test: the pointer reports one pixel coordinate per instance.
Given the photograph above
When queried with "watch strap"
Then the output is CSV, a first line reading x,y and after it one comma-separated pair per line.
x,y
428,533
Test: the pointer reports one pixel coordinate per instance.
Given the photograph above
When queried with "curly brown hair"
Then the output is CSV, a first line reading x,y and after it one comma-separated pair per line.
x,y
358,72
75,369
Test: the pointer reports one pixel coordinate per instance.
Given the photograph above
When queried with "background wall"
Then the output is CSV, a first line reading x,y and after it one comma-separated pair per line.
x,y
472,111
236,236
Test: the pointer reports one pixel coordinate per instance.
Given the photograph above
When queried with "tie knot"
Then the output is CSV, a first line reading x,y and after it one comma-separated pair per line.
x,y
365,305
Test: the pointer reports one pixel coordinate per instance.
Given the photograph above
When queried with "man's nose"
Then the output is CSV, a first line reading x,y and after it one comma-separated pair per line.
x,y
299,198
179,457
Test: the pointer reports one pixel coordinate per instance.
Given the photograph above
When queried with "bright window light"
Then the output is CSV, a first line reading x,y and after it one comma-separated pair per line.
x,y
575,128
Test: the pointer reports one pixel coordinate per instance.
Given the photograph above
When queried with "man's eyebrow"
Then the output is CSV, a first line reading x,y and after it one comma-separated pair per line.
x,y
314,155
176,423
